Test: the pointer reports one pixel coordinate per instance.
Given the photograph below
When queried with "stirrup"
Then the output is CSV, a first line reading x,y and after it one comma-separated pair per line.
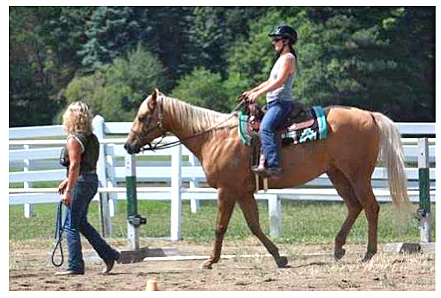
x,y
260,169
265,183
267,173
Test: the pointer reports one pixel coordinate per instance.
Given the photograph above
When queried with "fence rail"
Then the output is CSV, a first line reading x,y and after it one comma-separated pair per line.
x,y
34,159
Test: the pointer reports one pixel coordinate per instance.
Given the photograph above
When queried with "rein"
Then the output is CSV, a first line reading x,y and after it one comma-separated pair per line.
x,y
159,146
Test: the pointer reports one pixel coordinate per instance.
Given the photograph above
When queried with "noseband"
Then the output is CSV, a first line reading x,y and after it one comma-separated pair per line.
x,y
146,130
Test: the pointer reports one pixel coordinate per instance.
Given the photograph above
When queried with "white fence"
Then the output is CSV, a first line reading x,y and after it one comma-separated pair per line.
x,y
34,154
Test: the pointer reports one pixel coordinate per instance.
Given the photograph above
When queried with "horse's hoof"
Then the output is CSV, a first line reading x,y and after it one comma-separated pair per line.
x,y
339,253
282,262
207,265
368,257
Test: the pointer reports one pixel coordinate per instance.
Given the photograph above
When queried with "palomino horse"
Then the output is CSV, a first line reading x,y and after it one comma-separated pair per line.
x,y
348,156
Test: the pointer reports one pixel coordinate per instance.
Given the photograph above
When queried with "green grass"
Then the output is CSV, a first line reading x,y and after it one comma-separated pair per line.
x,y
303,222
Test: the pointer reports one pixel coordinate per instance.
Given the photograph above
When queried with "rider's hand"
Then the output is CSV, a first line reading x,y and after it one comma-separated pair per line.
x,y
252,97
244,96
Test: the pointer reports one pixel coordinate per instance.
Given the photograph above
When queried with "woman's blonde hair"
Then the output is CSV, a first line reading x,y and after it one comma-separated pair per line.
x,y
78,118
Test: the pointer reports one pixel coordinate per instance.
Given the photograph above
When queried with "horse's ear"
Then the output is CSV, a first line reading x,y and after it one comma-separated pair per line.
x,y
153,98
154,95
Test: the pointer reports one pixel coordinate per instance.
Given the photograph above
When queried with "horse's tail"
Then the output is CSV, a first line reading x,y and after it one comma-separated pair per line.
x,y
392,156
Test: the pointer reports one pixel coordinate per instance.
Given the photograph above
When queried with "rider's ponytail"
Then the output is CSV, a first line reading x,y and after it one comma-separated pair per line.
x,y
291,49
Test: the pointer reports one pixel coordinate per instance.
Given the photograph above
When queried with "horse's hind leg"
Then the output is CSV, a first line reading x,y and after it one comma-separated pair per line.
x,y
346,191
370,205
251,213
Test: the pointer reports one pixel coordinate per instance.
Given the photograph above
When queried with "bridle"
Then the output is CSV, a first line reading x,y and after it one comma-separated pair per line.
x,y
159,126
146,130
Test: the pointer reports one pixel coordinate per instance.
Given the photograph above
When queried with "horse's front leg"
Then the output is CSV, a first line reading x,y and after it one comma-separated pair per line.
x,y
224,210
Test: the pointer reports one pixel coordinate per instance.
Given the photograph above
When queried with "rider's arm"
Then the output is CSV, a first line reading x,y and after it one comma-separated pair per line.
x,y
285,69
263,85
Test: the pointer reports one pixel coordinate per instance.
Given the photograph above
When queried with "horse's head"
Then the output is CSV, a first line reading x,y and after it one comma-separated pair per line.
x,y
147,125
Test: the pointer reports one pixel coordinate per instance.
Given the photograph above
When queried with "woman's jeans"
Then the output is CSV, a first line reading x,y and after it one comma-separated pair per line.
x,y
76,222
276,114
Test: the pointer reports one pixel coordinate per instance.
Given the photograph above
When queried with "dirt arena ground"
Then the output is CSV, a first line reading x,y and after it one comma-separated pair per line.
x,y
311,268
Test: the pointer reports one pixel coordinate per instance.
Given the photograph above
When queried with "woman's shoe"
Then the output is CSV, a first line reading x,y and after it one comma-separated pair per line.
x,y
273,172
109,264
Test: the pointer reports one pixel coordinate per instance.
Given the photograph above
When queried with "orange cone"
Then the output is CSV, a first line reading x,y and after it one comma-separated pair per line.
x,y
151,285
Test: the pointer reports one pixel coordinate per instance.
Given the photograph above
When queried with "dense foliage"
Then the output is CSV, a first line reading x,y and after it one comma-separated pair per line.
x,y
378,58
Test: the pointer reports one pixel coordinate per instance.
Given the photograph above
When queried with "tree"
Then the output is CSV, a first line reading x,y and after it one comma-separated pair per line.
x,y
114,31
204,89
213,31
368,57
42,60
379,58
251,57
115,90
111,31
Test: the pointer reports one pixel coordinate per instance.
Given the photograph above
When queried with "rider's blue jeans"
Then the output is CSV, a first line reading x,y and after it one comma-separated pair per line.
x,y
277,113
76,222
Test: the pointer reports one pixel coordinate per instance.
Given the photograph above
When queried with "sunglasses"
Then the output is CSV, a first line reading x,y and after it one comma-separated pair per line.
x,y
277,39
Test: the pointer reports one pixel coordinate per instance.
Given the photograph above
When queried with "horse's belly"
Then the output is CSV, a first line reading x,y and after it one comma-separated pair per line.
x,y
301,163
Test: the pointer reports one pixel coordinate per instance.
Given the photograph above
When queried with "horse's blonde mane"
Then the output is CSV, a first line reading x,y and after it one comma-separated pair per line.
x,y
193,118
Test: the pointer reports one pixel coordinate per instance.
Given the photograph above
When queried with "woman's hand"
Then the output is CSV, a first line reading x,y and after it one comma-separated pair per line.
x,y
252,97
62,186
245,94
66,197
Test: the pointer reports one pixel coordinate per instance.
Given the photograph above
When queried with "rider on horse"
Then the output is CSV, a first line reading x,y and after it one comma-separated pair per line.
x,y
278,89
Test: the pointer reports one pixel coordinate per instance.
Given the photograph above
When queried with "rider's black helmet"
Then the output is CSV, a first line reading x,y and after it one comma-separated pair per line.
x,y
286,32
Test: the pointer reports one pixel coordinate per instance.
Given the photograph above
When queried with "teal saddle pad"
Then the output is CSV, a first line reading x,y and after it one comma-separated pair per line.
x,y
289,136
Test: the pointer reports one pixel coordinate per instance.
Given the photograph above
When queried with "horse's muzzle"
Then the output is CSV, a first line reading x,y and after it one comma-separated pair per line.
x,y
132,148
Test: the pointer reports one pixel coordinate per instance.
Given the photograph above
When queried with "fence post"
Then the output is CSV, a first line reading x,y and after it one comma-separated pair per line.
x,y
424,186
275,215
29,209
195,204
131,201
106,221
176,204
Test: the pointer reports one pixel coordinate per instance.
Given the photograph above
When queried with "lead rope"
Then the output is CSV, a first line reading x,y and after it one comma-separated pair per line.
x,y
59,229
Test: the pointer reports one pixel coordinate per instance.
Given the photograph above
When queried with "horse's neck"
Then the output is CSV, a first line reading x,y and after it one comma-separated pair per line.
x,y
190,124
